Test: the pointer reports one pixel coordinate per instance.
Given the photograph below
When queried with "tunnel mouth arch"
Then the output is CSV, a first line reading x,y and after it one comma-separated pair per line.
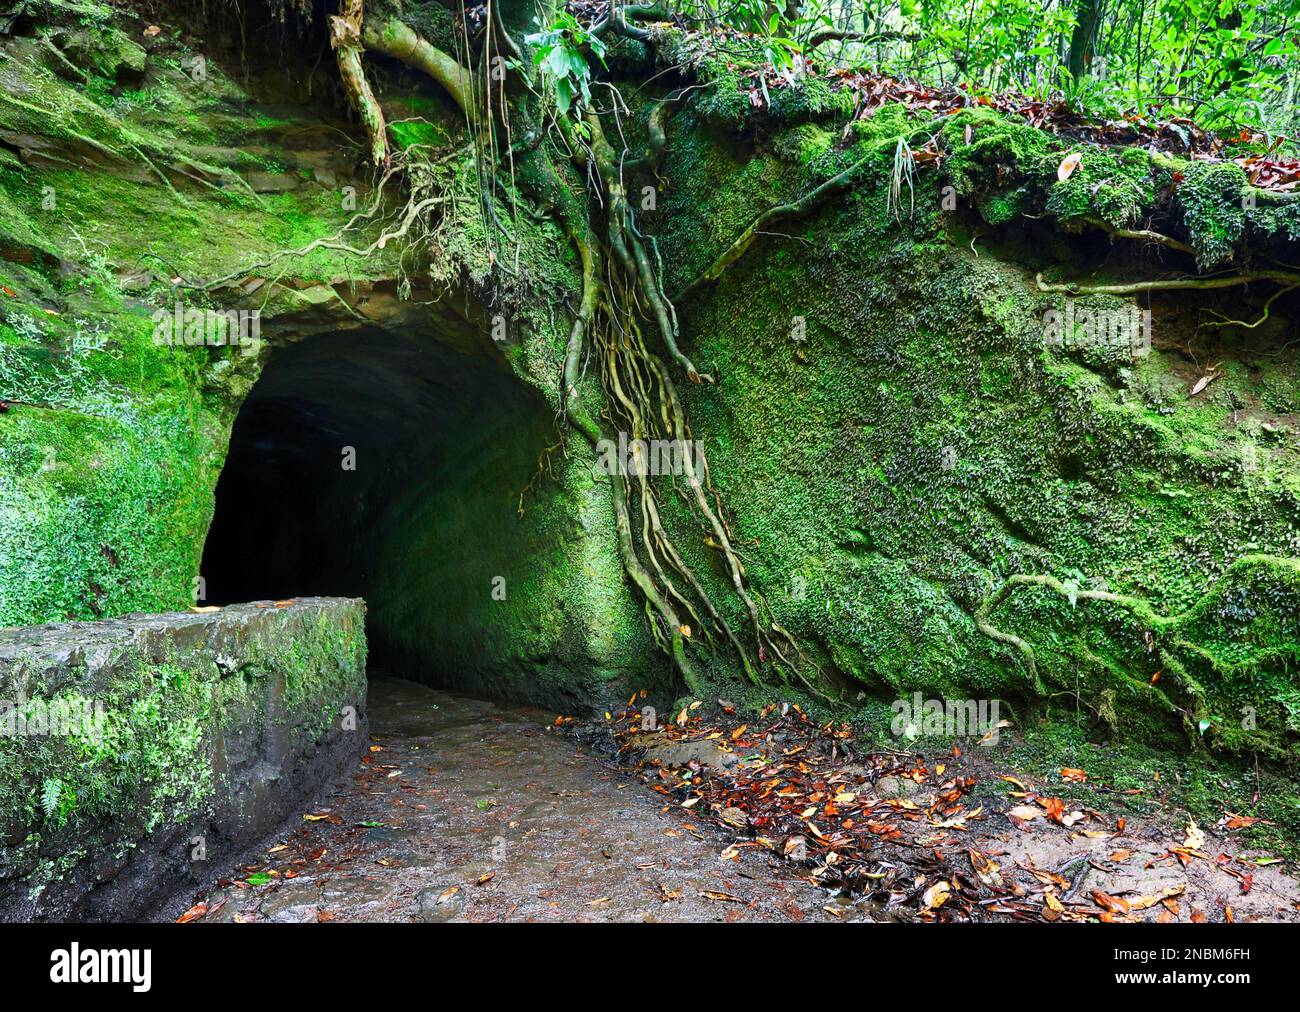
x,y
385,464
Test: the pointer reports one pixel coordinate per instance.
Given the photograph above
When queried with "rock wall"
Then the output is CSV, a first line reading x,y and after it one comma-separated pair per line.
x,y
139,754
898,434
112,446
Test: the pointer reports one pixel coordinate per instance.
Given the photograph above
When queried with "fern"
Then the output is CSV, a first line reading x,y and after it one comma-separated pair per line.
x,y
51,794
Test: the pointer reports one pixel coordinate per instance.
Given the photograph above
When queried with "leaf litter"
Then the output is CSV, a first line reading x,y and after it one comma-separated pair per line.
x,y
906,836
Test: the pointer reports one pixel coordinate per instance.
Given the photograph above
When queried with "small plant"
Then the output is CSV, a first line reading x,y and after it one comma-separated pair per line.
x,y
559,54
58,801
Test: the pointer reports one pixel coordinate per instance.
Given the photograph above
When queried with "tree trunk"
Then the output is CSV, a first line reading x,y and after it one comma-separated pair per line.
x,y
1087,19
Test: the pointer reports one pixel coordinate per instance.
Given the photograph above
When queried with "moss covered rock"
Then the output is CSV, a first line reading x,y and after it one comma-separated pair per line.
x,y
139,753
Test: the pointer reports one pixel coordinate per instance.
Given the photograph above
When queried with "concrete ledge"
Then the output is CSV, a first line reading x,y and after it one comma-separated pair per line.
x,y
139,753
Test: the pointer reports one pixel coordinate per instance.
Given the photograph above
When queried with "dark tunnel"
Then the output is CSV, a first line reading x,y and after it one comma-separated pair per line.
x,y
381,465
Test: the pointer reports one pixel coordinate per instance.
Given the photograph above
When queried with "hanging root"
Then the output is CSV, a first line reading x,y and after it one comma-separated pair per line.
x,y
622,301
345,38
622,295
1225,321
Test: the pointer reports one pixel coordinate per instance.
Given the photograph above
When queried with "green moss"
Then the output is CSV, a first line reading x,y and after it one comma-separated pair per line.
x,y
1213,211
107,470
407,133
147,739
830,453
810,99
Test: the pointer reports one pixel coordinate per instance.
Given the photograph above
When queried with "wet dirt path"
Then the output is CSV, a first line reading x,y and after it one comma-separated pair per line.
x,y
469,811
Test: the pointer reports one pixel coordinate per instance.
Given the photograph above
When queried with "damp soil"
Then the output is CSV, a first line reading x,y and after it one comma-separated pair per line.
x,y
466,810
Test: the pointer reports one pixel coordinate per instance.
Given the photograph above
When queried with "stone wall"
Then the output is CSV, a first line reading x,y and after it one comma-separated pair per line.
x,y
140,754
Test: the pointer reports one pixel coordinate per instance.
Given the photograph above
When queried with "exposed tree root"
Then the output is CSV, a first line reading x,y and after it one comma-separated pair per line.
x,y
793,210
1141,235
1171,284
411,219
397,39
991,601
1154,624
1268,305
622,300
345,38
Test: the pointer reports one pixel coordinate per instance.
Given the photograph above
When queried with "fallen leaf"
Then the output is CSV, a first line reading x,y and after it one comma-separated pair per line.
x,y
1112,903
1066,169
937,895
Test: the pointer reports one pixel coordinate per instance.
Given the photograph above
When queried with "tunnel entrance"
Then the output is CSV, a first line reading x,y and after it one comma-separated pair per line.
x,y
387,466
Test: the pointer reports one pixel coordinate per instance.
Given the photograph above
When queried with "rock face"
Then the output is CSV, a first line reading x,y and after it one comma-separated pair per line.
x,y
486,553
139,754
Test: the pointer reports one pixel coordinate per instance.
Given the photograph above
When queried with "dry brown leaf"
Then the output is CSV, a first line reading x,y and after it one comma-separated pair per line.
x,y
1145,902
1066,169
937,895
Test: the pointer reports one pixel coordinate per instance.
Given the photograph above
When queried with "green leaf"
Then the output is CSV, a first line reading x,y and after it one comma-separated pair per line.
x,y
51,791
